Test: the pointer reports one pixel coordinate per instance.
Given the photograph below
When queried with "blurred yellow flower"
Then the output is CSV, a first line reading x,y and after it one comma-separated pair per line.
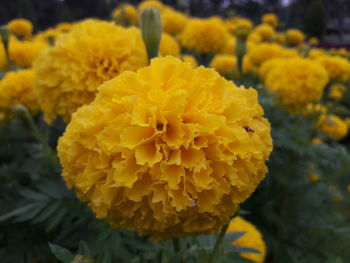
x,y
226,65
313,41
204,35
338,68
126,13
230,47
266,32
17,87
169,46
300,81
333,126
91,53
168,151
190,59
316,141
268,65
270,19
263,52
238,24
252,238
294,36
151,3
20,27
337,91
316,52
173,22
314,177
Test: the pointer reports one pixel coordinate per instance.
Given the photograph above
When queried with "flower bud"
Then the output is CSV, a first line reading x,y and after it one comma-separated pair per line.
x,y
5,37
82,259
151,28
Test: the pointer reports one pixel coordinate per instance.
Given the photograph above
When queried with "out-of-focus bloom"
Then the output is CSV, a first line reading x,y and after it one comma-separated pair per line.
x,y
316,52
173,22
313,41
252,238
226,65
169,46
190,59
299,82
295,37
204,35
91,53
50,35
316,140
151,3
167,151
230,47
238,24
20,27
248,66
333,126
337,91
126,13
270,19
281,38
2,116
18,88
338,68
315,108
268,65
266,32
263,52
314,177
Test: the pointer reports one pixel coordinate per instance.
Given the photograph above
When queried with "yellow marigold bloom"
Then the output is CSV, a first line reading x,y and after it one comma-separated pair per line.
x,y
230,47
338,68
266,32
226,65
268,65
52,34
204,35
334,126
91,53
316,52
248,66
313,108
238,23
190,59
337,91
64,27
270,19
167,151
20,27
294,37
254,38
316,141
281,38
173,22
252,238
263,52
299,82
314,177
169,46
313,41
151,3
126,12
17,87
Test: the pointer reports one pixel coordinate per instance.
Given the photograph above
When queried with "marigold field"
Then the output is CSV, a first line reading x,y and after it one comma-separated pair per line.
x,y
157,136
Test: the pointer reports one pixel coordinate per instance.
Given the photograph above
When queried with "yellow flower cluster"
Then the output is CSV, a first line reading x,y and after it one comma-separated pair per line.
x,y
252,238
18,88
298,82
265,51
126,12
295,37
236,24
190,59
333,126
204,35
337,91
169,46
168,151
265,31
20,27
225,64
91,53
270,19
338,68
173,22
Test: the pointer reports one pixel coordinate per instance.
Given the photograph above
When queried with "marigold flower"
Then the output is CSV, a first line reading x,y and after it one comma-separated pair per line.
x,y
263,52
316,52
299,82
173,22
230,47
337,91
190,59
169,46
225,64
268,65
333,125
314,177
313,41
126,12
252,238
338,68
91,53
238,24
294,36
20,27
204,35
270,19
167,151
151,3
266,32
316,141
17,87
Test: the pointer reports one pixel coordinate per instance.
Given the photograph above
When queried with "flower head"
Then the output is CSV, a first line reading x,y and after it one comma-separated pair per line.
x,y
337,91
18,88
270,19
204,35
265,31
252,238
169,46
126,12
91,53
225,65
173,22
333,126
299,82
190,59
20,27
151,3
338,68
294,36
263,52
167,151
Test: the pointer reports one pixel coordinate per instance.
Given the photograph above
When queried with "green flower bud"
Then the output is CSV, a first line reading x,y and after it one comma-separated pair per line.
x,y
5,37
151,29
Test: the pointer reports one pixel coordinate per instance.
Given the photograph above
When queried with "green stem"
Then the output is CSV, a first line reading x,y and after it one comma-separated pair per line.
x,y
176,245
218,242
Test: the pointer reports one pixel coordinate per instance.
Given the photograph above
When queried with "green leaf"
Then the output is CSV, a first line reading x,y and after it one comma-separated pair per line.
x,y
27,193
241,249
18,211
56,219
32,213
61,253
104,257
84,249
233,236
47,212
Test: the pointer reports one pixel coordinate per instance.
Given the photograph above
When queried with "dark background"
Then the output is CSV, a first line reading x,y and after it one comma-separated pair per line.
x,y
329,19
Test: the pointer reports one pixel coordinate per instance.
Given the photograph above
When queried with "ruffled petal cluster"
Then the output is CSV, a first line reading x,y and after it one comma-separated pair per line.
x,y
294,37
91,53
226,65
167,151
337,67
173,22
270,19
169,46
333,126
298,82
252,238
204,35
20,27
126,12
